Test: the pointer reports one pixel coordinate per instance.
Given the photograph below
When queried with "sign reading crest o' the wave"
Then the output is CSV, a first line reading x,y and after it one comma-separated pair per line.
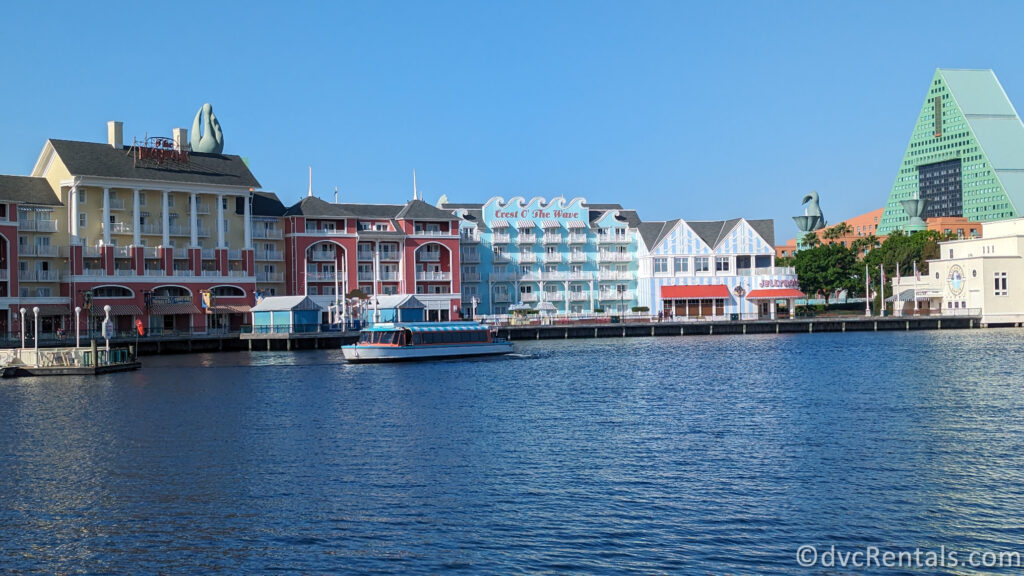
x,y
536,209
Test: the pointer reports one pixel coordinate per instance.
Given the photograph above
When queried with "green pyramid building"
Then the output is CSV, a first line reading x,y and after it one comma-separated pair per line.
x,y
966,154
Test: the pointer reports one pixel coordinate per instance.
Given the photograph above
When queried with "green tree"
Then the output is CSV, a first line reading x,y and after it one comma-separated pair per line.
x,y
827,269
838,231
810,240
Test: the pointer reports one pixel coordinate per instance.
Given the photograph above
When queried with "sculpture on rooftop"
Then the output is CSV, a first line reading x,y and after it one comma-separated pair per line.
x,y
212,138
812,219
915,209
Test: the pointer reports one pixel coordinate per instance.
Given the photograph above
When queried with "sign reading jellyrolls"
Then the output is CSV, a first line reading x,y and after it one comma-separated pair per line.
x,y
537,213
780,283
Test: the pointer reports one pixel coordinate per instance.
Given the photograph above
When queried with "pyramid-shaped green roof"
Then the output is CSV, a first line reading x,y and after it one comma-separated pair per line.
x,y
969,134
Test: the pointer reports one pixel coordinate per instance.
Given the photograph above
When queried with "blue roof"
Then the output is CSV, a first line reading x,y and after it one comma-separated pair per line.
x,y
427,326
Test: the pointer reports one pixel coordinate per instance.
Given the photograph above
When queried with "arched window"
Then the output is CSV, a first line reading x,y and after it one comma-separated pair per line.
x,y
111,292
171,291
229,291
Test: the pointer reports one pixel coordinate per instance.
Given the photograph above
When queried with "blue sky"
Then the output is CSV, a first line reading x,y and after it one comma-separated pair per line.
x,y
677,109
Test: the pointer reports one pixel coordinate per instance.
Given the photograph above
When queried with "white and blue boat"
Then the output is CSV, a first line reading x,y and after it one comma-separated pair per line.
x,y
391,342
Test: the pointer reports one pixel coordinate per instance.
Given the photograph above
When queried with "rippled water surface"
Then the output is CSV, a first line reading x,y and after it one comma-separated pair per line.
x,y
693,455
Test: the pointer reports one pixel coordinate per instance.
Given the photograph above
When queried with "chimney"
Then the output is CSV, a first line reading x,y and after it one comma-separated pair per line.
x,y
115,134
180,138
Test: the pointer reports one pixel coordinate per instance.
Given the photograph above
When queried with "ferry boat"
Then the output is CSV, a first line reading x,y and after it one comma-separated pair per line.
x,y
389,342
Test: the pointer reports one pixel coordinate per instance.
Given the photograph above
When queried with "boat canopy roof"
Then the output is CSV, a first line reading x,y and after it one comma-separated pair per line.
x,y
428,326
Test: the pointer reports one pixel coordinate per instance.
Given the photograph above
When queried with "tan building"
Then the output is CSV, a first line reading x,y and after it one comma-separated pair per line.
x,y
973,276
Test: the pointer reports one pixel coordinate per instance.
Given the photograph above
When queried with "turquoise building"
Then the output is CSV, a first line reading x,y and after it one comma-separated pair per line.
x,y
559,256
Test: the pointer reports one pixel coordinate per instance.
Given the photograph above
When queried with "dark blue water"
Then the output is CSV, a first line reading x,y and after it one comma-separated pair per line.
x,y
694,455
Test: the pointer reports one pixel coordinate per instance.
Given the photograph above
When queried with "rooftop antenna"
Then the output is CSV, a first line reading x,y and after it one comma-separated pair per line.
x,y
311,181
335,194
414,184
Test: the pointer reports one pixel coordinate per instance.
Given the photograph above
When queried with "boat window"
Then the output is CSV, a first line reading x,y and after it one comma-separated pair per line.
x,y
394,337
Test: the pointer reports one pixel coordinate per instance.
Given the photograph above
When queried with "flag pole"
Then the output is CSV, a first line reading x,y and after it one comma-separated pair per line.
x,y
867,292
881,290
916,278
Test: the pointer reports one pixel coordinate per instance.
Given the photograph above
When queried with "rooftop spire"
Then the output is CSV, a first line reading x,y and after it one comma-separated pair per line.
x,y
414,184
311,181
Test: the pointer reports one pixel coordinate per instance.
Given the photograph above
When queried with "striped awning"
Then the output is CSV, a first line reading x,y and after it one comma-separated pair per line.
x,y
575,224
525,224
775,294
231,309
552,224
172,309
117,310
499,223
443,327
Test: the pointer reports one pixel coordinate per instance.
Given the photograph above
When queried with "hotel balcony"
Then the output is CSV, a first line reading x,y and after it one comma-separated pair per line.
x,y
502,277
577,296
37,250
154,272
201,208
614,275
122,252
470,276
124,272
577,238
327,276
183,272
527,238
269,255
390,256
38,276
435,233
618,238
469,236
428,256
211,273
615,257
266,233
501,297
38,225
499,238
363,276
366,255
552,238
150,252
118,227
91,252
234,254
321,256
270,276
528,296
151,229
433,276
501,258
116,204
625,295
528,257
553,257
577,257
471,257
179,230
239,274
207,253
389,277
554,297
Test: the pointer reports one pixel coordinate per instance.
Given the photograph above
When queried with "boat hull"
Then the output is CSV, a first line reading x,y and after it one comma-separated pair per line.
x,y
356,353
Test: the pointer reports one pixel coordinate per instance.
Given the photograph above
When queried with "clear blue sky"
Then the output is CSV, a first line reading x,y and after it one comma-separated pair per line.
x,y
677,109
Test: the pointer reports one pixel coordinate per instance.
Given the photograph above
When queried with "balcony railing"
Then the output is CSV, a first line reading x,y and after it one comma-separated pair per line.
x,y
118,227
615,238
181,272
234,254
124,272
501,258
364,254
577,238
322,256
327,276
4,275
151,229
614,275
554,296
266,233
423,256
469,236
269,255
552,238
527,257
528,296
151,252
390,255
179,230
578,296
501,297
471,257
551,257
527,238
116,204
38,276
238,273
38,225
207,253
502,277
615,295
212,273
433,276
91,252
500,238
122,252
270,276
470,276
578,257
201,208
93,272
614,257
430,233
46,251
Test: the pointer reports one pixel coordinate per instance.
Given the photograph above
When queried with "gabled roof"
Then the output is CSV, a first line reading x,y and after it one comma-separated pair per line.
x,y
713,232
313,206
765,229
283,303
103,161
267,204
27,190
420,210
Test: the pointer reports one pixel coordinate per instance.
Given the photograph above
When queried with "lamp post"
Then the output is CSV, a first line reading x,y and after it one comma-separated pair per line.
x,y
35,314
473,302
23,328
78,327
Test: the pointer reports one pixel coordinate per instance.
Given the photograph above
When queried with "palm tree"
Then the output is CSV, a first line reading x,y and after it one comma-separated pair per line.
x,y
810,240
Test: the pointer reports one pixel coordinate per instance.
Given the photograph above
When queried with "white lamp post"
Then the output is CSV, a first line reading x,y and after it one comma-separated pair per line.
x,y
78,327
106,328
23,328
35,313
474,301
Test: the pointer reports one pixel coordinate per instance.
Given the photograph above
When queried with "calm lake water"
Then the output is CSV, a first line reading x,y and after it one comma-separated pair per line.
x,y
693,455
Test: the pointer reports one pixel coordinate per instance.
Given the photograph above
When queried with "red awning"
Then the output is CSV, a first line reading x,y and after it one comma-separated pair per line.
x,y
694,292
775,294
